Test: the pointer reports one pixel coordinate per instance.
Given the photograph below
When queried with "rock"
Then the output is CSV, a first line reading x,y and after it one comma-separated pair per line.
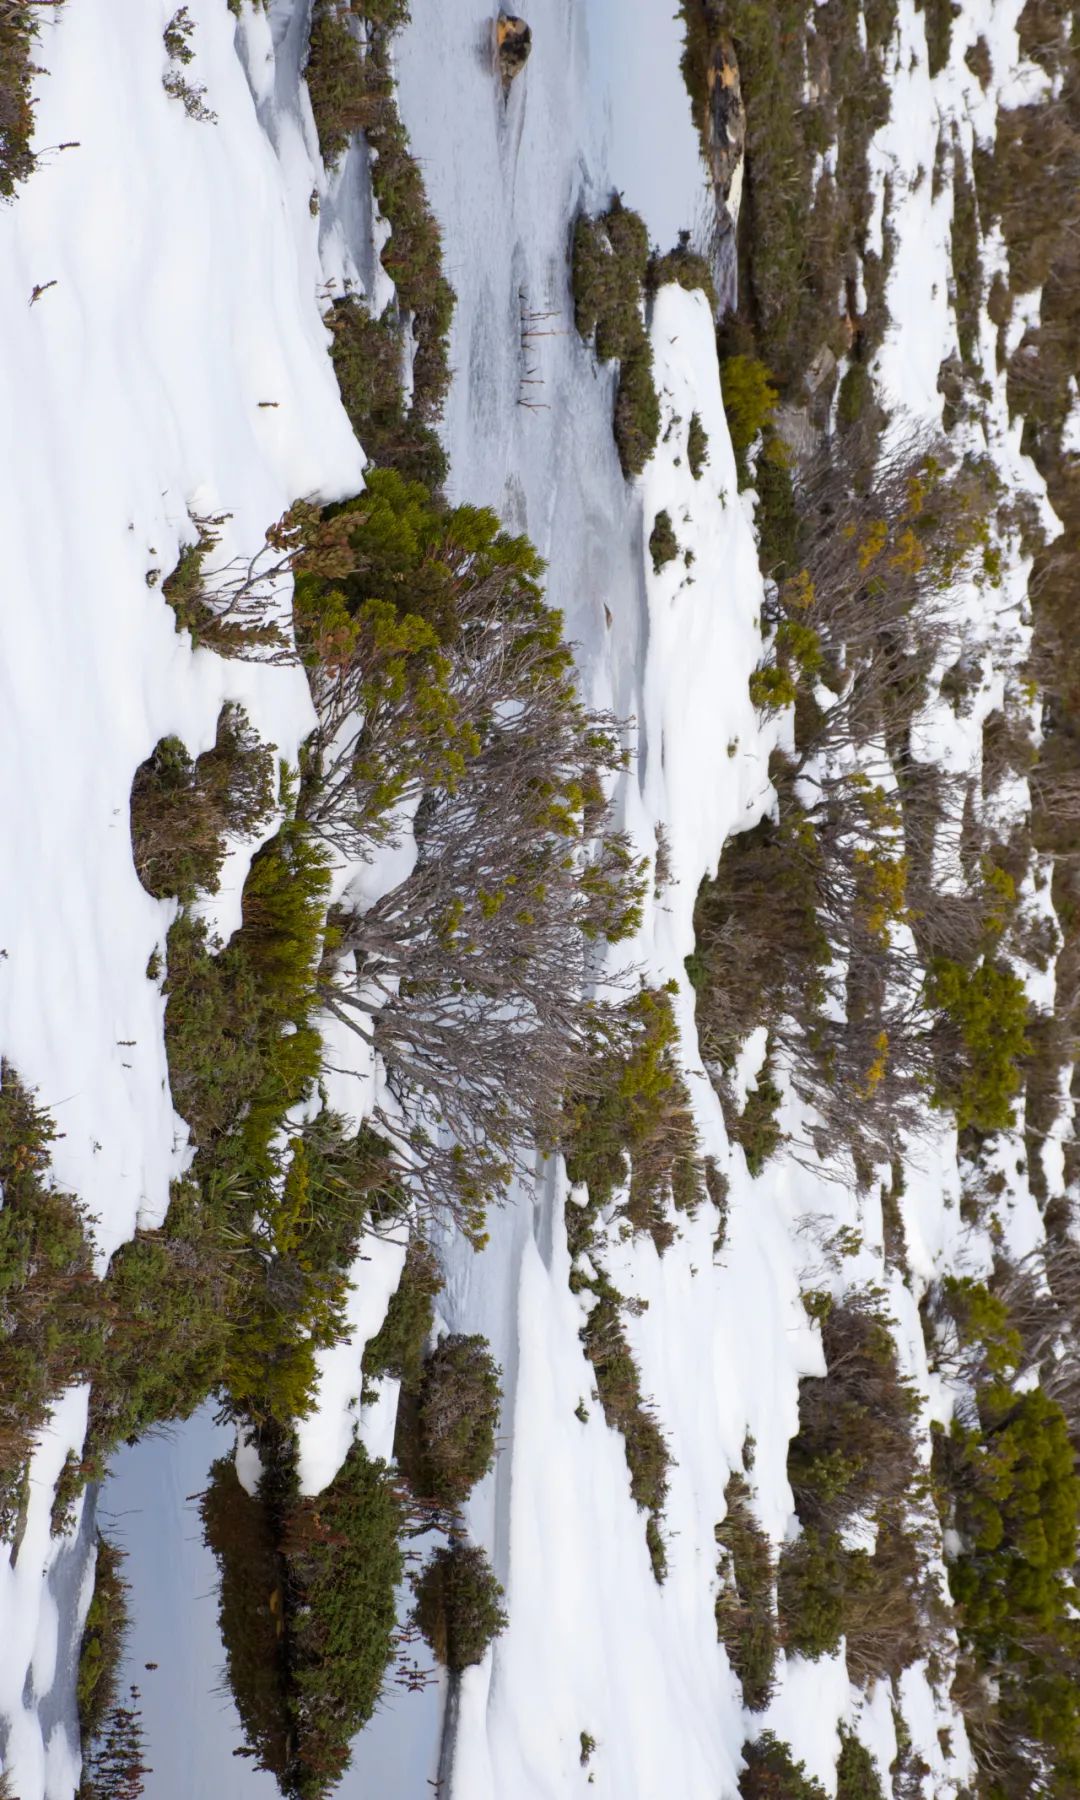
x,y
726,126
513,40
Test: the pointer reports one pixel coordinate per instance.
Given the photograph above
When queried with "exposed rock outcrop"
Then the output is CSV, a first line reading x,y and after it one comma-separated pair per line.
x,y
725,126
513,41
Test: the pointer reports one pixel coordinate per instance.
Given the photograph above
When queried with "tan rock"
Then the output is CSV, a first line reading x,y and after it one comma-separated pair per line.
x,y
513,42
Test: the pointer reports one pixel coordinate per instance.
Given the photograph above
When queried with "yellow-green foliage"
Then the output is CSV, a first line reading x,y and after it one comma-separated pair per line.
x,y
983,1027
750,401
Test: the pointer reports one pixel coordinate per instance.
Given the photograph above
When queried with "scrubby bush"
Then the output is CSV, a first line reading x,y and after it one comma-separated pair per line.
x,y
458,1606
458,1401
637,410
857,1775
18,29
397,1349
982,1035
771,1773
750,400
663,544
697,446
745,1620
631,1120
181,811
684,268
102,1641
609,262
855,1444
813,1572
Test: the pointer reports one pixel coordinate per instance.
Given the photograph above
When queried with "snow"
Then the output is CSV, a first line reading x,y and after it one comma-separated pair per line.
x,y
191,272
30,1614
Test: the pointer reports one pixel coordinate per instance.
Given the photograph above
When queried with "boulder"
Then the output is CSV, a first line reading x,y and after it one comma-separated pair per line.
x,y
513,42
725,127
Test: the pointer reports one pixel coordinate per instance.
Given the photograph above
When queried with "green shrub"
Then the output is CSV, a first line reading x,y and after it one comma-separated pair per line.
x,y
609,261
367,355
1018,1498
458,1606
771,1773
856,395
18,29
855,1444
102,1644
697,446
398,1348
344,1564
684,268
757,1127
982,1032
637,410
181,810
458,1412
45,1264
812,1575
241,1531
772,688
857,1776
633,1119
663,544
745,1621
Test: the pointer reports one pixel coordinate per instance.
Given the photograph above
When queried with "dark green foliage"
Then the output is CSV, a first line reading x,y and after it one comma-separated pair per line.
x,y
458,1605
982,1034
398,1348
855,1444
610,259
757,1127
353,90
336,81
367,355
344,1565
939,21
457,1403
307,1608
813,1573
45,1264
240,1530
856,395
636,422
771,1773
682,267
632,1120
181,810
966,267
102,1641
697,446
745,1619
857,1776
18,29
1017,1502
663,544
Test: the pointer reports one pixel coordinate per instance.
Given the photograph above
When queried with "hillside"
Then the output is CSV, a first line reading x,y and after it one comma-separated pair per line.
x,y
539,944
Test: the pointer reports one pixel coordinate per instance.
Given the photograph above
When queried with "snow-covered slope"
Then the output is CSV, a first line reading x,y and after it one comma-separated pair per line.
x,y
165,360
